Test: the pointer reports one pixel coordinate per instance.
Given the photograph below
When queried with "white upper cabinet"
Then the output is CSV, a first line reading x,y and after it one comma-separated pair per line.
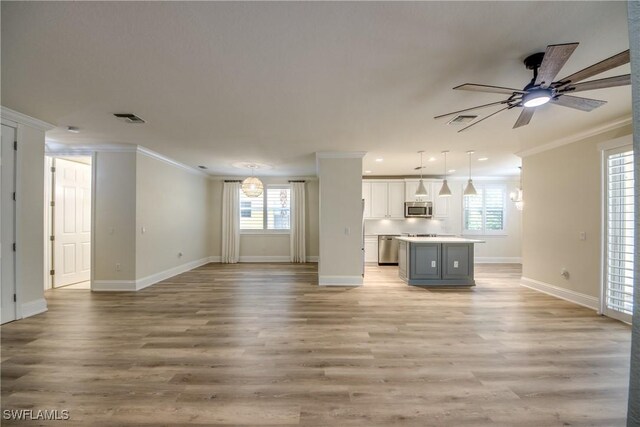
x,y
396,200
366,196
386,199
440,204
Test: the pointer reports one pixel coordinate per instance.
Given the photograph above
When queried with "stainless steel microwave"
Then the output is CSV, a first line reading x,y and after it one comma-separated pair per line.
x,y
418,209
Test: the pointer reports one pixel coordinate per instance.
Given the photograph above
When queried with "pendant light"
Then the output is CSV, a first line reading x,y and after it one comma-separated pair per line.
x,y
252,186
470,190
445,191
421,191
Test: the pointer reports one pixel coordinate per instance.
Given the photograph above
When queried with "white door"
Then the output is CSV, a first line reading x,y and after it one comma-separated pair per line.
x,y
396,200
7,224
72,223
379,199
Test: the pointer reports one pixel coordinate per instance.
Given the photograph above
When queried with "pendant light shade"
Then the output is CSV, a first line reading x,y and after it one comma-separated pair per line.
x,y
470,189
445,191
252,186
421,191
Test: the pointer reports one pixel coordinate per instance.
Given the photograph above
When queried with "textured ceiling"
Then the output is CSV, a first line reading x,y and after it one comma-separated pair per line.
x,y
273,83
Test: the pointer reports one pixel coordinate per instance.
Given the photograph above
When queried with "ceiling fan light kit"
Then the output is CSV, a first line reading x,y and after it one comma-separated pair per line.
x,y
543,89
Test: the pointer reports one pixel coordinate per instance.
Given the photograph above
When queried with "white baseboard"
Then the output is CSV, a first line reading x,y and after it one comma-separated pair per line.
x,y
565,294
34,307
498,260
313,258
340,280
113,285
136,285
218,259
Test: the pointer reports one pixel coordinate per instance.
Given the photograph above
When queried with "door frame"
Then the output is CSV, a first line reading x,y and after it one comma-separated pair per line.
x,y
17,303
605,148
48,261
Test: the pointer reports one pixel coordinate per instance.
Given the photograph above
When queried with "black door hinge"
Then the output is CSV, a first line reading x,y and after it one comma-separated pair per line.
x,y
53,168
15,299
52,272
52,238
15,145
14,196
14,247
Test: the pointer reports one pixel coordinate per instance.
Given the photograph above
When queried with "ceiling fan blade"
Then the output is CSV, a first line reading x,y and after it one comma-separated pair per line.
x,y
488,89
602,66
599,84
484,118
554,59
525,117
472,108
583,104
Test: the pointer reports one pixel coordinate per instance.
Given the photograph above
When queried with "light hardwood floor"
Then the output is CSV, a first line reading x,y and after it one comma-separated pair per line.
x,y
258,344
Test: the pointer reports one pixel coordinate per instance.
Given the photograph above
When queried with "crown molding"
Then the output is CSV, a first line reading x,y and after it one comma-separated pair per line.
x,y
616,124
23,119
58,149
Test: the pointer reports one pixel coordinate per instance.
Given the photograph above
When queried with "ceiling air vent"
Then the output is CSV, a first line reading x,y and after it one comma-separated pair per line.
x,y
460,120
129,118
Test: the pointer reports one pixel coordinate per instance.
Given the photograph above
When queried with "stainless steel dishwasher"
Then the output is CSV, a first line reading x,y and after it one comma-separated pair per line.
x,y
388,249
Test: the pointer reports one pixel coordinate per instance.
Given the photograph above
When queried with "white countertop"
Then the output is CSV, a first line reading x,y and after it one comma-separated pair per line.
x,y
438,240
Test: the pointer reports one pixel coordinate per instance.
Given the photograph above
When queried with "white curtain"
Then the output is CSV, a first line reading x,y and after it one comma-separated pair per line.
x,y
231,222
298,253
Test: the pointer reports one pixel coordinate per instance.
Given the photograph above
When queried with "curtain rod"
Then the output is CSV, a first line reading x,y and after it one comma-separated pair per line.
x,y
299,180
232,180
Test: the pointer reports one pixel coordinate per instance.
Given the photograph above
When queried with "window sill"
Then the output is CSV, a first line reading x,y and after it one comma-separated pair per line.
x,y
265,232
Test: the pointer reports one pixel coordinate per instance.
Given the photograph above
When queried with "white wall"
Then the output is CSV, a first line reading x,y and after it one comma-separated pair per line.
x,y
340,220
562,196
172,205
264,246
114,237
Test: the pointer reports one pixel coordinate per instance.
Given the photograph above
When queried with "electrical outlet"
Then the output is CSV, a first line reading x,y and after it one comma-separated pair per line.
x,y
583,235
433,264
347,231
455,264
117,266
143,230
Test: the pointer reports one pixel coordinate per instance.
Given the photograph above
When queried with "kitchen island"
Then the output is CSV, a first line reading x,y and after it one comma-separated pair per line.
x,y
436,261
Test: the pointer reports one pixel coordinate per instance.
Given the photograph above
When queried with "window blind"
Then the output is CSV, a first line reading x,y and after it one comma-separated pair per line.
x,y
484,213
270,211
620,232
278,208
251,212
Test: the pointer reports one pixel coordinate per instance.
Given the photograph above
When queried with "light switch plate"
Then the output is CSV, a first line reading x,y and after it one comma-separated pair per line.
x,y
455,264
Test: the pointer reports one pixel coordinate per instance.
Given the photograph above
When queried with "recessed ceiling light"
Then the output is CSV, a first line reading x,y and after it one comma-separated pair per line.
x,y
482,159
379,159
367,171
73,129
452,170
432,159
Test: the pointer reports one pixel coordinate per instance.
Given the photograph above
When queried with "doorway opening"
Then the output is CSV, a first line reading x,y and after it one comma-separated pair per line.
x,y
68,195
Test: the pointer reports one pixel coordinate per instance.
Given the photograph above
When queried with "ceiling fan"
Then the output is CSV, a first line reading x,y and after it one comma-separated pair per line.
x,y
543,89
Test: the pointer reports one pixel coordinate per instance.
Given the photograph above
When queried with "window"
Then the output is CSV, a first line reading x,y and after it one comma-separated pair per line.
x,y
619,234
484,213
271,211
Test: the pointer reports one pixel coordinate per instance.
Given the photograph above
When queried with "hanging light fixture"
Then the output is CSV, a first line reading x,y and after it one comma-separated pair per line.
x,y
470,190
445,191
421,191
516,196
252,186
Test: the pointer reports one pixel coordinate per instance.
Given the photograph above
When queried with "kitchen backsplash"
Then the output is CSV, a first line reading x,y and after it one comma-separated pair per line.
x,y
410,225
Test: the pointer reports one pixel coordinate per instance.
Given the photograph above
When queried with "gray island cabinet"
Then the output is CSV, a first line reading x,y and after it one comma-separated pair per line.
x,y
436,261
